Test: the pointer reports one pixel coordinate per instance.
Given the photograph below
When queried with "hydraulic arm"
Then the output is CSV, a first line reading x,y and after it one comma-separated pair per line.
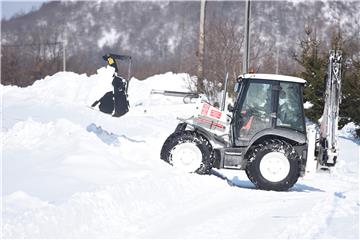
x,y
329,124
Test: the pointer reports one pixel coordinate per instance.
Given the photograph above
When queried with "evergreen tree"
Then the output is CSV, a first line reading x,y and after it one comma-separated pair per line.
x,y
350,106
350,102
314,65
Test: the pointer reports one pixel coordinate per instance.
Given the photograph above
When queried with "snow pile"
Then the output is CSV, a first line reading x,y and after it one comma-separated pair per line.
x,y
58,157
308,105
71,171
349,130
66,87
168,81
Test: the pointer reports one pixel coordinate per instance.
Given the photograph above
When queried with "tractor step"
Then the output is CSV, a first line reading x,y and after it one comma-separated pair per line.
x,y
231,158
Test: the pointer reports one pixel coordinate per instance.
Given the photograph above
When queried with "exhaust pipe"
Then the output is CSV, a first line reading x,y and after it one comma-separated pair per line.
x,y
223,100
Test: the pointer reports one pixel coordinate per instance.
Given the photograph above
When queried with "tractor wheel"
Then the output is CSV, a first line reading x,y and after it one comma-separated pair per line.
x,y
273,165
188,151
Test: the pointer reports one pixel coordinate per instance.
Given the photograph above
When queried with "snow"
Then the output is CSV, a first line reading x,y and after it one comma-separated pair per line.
x,y
308,105
348,131
109,38
275,77
69,171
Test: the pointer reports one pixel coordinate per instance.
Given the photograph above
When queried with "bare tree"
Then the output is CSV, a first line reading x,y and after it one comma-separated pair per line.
x,y
29,59
223,53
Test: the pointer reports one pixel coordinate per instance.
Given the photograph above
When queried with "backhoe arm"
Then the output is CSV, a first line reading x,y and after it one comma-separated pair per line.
x,y
328,145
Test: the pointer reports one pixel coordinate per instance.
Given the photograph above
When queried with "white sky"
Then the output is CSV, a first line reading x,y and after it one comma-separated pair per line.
x,y
10,7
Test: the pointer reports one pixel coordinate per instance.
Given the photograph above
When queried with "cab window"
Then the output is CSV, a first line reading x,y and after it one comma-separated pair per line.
x,y
290,112
255,113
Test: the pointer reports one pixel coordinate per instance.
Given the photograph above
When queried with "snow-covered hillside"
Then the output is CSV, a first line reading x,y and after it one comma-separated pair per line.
x,y
71,171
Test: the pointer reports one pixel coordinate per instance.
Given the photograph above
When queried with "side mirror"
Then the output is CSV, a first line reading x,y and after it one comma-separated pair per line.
x,y
237,87
230,108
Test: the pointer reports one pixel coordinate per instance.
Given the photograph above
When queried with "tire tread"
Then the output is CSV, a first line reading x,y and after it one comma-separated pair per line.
x,y
273,145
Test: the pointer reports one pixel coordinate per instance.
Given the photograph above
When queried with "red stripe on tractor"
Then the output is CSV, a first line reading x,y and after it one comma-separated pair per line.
x,y
215,114
209,122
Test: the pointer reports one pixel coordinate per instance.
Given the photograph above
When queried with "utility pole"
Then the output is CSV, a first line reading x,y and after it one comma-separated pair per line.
x,y
247,38
200,86
64,50
277,57
64,55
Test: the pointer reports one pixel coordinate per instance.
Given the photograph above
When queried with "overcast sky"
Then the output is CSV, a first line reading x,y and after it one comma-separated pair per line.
x,y
10,7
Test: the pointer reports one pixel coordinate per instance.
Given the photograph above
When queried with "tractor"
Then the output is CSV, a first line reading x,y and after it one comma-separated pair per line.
x,y
264,133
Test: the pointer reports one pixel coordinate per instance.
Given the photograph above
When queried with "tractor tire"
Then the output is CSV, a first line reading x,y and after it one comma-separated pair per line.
x,y
273,165
188,151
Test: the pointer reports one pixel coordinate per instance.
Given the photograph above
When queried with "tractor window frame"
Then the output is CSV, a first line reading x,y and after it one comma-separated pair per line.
x,y
300,88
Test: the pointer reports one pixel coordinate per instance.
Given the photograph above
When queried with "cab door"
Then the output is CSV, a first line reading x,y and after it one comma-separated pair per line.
x,y
255,111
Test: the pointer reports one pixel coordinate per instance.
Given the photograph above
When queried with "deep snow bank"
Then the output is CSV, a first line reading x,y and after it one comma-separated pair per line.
x,y
68,87
54,145
65,87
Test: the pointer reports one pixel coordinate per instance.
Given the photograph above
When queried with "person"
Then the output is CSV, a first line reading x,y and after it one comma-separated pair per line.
x,y
285,113
111,62
121,104
106,103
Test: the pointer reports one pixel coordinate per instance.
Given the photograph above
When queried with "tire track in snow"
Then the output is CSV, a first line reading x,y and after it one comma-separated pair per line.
x,y
200,215
317,222
309,225
211,214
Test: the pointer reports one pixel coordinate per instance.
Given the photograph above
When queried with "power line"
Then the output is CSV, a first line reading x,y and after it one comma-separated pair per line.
x,y
62,43
30,44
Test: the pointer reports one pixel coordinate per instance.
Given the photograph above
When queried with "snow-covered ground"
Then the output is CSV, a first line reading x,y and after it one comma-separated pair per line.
x,y
71,171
